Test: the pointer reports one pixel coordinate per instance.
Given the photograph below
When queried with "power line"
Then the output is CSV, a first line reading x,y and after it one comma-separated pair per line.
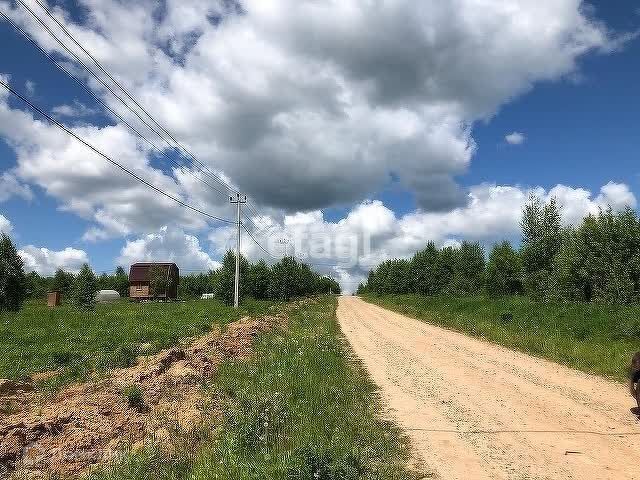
x,y
127,94
101,102
260,230
87,68
176,144
258,243
315,264
264,224
110,90
109,159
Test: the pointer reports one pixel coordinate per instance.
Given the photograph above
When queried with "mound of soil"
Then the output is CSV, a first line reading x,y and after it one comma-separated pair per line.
x,y
88,424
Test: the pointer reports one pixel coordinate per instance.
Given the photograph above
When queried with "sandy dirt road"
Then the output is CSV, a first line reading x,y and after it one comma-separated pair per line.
x,y
474,410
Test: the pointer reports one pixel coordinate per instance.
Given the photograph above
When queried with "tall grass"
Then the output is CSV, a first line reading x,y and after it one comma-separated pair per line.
x,y
78,341
301,408
594,338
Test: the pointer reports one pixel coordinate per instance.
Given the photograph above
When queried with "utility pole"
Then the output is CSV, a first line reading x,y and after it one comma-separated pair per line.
x,y
284,242
236,295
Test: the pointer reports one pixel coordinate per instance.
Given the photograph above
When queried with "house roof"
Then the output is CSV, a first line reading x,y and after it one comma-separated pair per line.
x,y
139,272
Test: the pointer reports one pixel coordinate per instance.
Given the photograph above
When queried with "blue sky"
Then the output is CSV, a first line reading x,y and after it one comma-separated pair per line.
x,y
580,130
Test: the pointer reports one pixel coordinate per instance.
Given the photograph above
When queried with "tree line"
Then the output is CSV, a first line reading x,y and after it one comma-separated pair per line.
x,y
597,260
63,281
284,280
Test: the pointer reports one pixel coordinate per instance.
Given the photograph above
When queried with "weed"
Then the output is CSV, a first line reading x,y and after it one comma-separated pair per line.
x,y
124,356
62,358
135,397
8,408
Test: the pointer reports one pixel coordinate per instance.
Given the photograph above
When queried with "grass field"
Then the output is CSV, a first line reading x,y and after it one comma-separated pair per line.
x,y
79,342
301,408
594,338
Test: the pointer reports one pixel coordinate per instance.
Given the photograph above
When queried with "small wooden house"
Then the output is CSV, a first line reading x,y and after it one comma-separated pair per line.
x,y
158,281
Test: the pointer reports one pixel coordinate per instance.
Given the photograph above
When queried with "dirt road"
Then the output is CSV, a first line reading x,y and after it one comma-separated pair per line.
x,y
474,410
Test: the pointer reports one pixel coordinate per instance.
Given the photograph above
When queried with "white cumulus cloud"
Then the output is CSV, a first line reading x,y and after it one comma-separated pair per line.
x,y
10,186
515,138
168,245
304,104
46,262
5,225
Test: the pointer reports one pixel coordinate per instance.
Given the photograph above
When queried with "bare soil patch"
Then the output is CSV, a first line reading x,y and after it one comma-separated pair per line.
x,y
88,424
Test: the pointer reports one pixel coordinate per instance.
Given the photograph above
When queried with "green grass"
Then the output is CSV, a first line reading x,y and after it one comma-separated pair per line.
x,y
594,338
78,342
300,408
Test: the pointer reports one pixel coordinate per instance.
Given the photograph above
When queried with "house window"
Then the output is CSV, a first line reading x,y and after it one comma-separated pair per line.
x,y
138,288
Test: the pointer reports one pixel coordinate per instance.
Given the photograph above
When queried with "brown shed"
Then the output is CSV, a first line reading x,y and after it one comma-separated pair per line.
x,y
54,299
140,281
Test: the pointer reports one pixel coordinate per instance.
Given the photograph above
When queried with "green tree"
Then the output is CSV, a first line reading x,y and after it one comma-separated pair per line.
x,y
259,279
393,277
36,285
308,282
13,282
326,284
504,270
213,281
284,279
469,269
444,270
541,242
372,282
63,282
105,282
86,285
424,265
600,259
121,282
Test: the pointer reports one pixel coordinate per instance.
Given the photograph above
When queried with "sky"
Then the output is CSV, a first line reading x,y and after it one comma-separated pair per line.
x,y
359,130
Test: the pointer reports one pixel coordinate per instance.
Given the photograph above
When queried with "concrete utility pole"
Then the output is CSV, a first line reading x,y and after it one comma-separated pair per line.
x,y
285,243
236,295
